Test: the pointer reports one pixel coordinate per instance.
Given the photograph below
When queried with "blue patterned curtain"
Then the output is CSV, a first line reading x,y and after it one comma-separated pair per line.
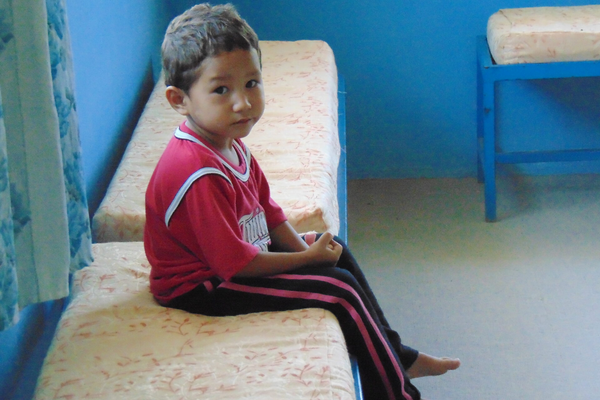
x,y
44,223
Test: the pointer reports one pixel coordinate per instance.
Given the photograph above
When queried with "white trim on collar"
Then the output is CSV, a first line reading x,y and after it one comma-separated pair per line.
x,y
179,134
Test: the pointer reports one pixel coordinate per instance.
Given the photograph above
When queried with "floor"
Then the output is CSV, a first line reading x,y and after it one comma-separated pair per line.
x,y
518,300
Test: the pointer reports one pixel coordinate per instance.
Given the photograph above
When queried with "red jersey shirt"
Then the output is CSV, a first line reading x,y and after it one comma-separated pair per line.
x,y
205,216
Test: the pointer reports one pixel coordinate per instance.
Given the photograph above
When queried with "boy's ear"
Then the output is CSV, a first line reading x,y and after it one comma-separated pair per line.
x,y
177,99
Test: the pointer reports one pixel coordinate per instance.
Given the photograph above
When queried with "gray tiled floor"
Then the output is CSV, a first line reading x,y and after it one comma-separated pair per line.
x,y
517,300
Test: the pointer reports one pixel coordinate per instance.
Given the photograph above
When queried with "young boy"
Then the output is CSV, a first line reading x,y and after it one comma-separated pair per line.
x,y
218,244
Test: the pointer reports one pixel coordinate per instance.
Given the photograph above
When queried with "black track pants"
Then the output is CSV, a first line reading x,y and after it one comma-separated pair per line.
x,y
342,290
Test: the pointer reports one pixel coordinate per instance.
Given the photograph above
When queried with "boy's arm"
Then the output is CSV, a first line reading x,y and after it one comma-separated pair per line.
x,y
324,251
285,238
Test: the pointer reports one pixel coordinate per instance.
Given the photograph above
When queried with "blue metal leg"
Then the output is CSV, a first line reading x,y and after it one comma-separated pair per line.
x,y
489,150
356,376
480,177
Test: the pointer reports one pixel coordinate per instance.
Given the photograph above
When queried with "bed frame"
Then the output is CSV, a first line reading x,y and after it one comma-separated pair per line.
x,y
488,155
343,201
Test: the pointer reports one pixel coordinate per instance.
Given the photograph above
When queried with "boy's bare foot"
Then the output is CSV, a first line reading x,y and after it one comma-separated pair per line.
x,y
426,365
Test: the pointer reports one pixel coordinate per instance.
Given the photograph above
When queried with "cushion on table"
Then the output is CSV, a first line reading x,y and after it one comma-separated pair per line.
x,y
545,34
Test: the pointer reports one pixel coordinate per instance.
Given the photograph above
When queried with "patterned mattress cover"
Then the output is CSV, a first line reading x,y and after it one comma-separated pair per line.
x,y
545,34
296,143
114,342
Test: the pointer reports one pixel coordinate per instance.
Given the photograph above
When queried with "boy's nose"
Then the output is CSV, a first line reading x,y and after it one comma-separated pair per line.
x,y
241,102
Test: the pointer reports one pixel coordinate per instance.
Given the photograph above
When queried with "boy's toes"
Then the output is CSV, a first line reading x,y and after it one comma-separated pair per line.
x,y
449,364
427,365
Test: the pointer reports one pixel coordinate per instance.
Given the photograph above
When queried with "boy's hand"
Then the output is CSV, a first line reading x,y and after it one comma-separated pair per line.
x,y
325,250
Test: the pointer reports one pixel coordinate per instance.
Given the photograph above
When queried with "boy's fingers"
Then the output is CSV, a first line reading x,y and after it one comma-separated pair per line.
x,y
326,239
337,248
326,236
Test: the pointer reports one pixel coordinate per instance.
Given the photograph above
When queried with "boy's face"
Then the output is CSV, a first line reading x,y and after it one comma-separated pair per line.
x,y
227,100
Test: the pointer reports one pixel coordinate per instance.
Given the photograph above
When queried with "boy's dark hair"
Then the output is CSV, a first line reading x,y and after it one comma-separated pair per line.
x,y
200,32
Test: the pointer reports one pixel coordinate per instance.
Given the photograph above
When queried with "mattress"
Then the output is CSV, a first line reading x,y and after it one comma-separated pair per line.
x,y
114,342
545,34
296,143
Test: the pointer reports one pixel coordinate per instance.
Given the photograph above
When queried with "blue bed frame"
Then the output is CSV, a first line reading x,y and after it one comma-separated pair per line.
x,y
342,183
488,155
23,347
342,188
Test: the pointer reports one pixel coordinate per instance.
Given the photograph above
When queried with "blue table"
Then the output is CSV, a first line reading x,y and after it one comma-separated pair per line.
x,y
488,153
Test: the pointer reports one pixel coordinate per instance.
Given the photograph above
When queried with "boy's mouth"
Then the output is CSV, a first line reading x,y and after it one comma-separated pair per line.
x,y
243,121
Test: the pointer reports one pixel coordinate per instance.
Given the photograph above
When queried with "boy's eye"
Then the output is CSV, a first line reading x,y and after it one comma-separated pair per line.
x,y
221,90
252,83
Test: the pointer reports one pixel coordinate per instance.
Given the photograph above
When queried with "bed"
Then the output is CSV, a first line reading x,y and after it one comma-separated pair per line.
x,y
114,342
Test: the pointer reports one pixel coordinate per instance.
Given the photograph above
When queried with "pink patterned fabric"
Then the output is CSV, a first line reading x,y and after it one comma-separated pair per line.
x,y
545,34
114,342
296,144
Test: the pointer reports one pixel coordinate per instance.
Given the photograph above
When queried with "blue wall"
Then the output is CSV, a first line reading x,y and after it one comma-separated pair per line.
x,y
114,46
410,75
409,69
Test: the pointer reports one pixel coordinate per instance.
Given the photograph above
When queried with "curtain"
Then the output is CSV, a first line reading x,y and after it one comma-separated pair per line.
x,y
44,221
